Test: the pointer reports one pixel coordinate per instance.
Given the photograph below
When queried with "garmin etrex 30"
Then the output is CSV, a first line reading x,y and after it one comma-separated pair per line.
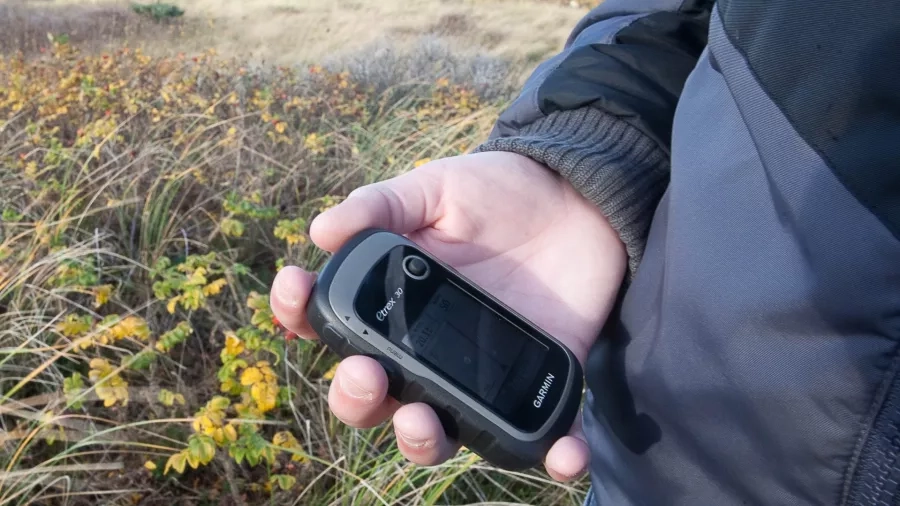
x,y
500,385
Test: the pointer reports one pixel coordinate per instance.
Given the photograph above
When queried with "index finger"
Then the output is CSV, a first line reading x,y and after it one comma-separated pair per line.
x,y
290,293
401,205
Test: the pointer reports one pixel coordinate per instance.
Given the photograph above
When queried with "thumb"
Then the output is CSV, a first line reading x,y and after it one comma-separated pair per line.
x,y
570,456
402,205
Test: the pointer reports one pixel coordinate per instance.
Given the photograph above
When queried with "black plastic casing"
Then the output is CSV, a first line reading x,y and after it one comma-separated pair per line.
x,y
464,418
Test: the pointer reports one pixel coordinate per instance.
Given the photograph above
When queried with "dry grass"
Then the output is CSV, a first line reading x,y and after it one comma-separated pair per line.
x,y
144,197
287,32
26,25
144,192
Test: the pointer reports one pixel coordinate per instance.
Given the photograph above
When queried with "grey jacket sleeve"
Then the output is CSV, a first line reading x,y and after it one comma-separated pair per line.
x,y
600,112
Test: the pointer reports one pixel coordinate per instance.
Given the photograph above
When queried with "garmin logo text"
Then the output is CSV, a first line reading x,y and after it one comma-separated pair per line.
x,y
545,387
383,312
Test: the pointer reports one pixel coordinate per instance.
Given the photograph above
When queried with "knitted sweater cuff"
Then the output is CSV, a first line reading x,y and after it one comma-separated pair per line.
x,y
611,163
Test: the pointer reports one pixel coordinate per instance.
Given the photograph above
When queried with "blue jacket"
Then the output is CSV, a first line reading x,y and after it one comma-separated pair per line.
x,y
748,153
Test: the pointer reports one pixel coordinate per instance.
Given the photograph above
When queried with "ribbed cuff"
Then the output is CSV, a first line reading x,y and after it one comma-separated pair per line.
x,y
607,160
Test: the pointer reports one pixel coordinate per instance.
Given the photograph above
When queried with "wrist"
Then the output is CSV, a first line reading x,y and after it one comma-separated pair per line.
x,y
615,167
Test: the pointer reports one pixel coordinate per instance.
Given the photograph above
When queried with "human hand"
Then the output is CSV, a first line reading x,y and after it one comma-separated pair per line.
x,y
507,223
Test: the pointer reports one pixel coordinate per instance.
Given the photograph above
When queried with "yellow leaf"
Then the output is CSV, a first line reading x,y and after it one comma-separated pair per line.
x,y
74,326
232,227
421,162
285,439
197,278
218,403
31,169
329,374
228,386
201,423
265,395
215,287
233,345
166,397
101,295
170,307
149,465
266,369
250,376
131,326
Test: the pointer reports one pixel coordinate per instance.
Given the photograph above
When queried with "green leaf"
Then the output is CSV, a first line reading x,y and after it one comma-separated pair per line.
x,y
72,387
207,448
232,227
166,397
142,360
10,214
161,265
238,453
284,481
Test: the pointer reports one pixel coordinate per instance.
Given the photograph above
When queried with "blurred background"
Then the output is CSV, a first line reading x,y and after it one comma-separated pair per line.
x,y
159,162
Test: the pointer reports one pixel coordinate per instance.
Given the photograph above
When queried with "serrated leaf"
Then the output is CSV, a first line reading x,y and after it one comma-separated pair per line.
x,y
204,447
238,453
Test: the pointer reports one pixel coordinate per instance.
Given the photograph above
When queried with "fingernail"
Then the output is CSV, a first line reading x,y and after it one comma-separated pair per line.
x,y
575,475
287,296
415,442
353,389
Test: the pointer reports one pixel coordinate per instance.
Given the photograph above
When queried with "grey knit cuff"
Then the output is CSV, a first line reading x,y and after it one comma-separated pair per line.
x,y
610,162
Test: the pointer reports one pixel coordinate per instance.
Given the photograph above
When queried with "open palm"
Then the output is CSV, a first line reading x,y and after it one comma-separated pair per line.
x,y
504,221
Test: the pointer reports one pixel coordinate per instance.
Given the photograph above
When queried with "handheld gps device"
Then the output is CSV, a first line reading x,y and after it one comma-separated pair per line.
x,y
500,386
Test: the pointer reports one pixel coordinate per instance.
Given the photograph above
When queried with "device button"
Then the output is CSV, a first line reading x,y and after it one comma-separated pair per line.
x,y
416,267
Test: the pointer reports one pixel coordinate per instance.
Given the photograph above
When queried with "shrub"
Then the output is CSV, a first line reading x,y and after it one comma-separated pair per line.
x,y
147,204
158,11
383,66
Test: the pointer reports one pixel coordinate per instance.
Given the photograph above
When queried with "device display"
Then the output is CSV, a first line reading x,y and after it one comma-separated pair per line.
x,y
501,386
417,305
